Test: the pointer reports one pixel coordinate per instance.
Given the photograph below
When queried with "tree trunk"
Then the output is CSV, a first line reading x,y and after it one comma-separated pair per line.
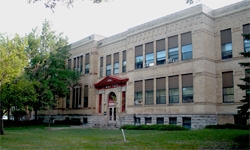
x,y
1,124
9,114
35,115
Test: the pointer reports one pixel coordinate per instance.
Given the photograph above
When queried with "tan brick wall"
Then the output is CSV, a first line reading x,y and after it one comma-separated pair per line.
x,y
206,66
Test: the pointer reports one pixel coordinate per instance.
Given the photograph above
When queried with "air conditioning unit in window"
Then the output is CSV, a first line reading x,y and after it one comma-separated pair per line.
x,y
149,65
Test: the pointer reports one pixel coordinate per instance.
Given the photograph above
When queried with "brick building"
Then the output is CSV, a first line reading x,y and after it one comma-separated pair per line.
x,y
179,69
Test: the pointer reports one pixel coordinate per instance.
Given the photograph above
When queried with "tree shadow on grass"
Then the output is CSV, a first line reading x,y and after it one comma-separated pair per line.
x,y
241,142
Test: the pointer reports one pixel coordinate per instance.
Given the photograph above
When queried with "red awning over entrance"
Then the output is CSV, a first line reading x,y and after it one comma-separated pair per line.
x,y
111,82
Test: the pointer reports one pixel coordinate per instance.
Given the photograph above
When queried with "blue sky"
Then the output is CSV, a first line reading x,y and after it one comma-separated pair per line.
x,y
86,18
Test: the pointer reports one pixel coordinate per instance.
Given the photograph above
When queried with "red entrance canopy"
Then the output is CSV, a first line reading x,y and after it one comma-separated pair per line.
x,y
111,82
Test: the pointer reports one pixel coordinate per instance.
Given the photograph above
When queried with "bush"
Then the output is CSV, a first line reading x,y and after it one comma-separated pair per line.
x,y
153,127
11,123
18,113
228,126
73,121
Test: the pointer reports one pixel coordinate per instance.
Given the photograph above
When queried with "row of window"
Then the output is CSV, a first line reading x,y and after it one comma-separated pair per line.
x,y
116,64
76,93
226,42
147,60
186,121
186,39
173,90
173,54
78,64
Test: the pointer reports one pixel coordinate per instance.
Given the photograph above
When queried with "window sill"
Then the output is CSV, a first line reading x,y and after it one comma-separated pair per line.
x,y
160,104
171,104
228,103
227,59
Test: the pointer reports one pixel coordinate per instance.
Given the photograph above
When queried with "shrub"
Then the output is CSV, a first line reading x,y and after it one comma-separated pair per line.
x,y
153,127
228,126
73,121
11,123
18,113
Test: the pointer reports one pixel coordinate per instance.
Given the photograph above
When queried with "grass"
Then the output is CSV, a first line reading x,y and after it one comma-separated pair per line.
x,y
37,137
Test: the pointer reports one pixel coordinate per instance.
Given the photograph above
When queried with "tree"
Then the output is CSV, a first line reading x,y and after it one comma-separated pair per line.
x,y
51,4
244,109
19,93
48,52
13,59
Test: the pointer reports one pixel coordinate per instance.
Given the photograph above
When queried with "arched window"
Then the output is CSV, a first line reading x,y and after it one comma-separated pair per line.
x,y
77,94
112,96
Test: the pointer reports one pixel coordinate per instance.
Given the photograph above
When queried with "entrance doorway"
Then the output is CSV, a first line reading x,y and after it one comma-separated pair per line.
x,y
112,107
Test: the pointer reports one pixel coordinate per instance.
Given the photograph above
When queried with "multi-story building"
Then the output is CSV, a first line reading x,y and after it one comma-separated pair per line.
x,y
179,69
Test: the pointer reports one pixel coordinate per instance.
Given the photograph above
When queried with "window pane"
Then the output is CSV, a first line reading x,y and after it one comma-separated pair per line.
x,y
172,120
228,95
173,53
226,50
116,68
85,102
86,68
124,66
228,98
187,90
187,94
161,57
174,95
227,47
246,45
150,59
187,48
138,98
138,62
149,97
228,91
116,65
187,52
161,97
108,70
101,71
138,59
148,120
186,122
171,50
108,67
160,120
68,99
174,91
116,71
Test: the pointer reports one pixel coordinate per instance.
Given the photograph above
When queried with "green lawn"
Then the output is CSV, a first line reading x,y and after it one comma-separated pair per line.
x,y
40,138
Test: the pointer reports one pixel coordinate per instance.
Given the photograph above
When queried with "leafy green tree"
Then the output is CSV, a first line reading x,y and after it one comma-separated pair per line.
x,y
18,93
51,4
48,54
244,109
13,59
